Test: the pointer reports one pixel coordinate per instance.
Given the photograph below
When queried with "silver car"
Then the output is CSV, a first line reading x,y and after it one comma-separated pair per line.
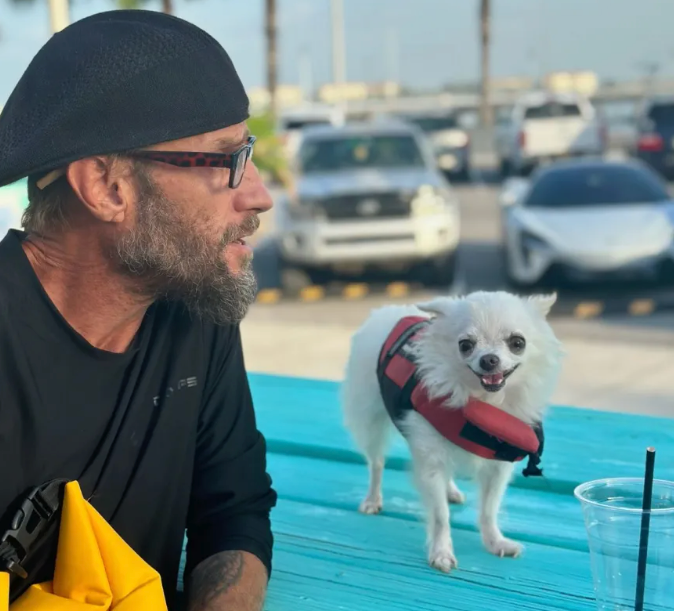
x,y
369,196
587,219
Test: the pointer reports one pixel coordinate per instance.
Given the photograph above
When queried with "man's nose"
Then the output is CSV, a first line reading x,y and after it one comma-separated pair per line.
x,y
253,194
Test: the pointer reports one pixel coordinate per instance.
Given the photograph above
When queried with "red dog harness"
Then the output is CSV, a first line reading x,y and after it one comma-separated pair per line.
x,y
478,427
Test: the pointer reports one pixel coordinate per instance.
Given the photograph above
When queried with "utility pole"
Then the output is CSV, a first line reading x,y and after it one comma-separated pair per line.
x,y
270,29
306,74
59,15
393,54
338,44
485,36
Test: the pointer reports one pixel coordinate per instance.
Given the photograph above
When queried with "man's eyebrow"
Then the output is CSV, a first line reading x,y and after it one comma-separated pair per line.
x,y
229,145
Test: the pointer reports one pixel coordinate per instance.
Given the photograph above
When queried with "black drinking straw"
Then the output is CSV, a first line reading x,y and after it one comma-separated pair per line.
x,y
645,525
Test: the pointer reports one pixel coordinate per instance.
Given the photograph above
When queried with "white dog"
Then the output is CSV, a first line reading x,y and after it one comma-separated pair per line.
x,y
492,346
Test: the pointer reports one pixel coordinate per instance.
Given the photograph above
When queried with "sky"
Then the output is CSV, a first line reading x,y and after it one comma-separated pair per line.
x,y
424,43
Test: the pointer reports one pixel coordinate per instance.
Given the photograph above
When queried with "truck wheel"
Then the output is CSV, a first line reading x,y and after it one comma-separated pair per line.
x,y
505,169
439,271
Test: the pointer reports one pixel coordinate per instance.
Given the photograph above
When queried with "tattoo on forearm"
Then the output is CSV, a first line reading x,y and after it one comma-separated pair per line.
x,y
213,578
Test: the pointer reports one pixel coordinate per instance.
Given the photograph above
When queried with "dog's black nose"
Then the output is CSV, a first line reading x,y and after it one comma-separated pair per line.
x,y
489,362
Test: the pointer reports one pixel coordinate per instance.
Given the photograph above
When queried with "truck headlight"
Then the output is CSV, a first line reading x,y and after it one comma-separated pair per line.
x,y
451,139
431,200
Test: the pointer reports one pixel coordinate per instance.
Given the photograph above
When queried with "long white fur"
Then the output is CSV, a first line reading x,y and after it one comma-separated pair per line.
x,y
490,317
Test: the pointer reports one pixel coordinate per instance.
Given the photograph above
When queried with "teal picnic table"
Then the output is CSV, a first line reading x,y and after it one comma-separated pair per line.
x,y
327,556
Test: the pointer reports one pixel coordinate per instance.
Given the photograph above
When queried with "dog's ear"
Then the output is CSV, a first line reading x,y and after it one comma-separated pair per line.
x,y
543,303
439,305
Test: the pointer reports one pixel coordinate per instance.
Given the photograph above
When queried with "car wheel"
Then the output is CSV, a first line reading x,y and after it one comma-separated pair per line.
x,y
463,175
319,275
439,271
511,281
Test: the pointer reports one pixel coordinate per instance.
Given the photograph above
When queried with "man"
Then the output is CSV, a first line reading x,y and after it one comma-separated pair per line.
x,y
120,353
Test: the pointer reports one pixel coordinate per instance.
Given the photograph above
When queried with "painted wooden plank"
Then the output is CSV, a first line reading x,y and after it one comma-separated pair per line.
x,y
303,417
529,516
327,558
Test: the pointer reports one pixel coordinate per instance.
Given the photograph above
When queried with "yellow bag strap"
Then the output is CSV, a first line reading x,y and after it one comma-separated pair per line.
x,y
4,591
30,540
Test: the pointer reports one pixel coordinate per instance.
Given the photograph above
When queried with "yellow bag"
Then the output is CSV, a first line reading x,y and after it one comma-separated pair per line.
x,y
95,568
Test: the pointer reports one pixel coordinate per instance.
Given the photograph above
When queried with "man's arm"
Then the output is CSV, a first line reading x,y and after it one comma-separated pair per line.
x,y
228,580
229,538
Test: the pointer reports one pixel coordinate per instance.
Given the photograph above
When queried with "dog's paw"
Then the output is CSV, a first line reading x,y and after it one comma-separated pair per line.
x,y
504,548
454,495
371,506
443,559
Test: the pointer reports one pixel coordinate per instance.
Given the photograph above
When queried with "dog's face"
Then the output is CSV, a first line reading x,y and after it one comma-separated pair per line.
x,y
492,340
492,357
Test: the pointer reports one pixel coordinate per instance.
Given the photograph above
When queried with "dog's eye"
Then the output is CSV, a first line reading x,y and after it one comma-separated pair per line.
x,y
466,346
516,344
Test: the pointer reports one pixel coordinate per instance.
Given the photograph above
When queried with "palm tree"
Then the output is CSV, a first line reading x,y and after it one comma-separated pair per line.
x,y
272,64
59,12
485,36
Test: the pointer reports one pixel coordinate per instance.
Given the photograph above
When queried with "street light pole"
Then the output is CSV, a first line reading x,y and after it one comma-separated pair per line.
x,y
272,74
338,45
485,35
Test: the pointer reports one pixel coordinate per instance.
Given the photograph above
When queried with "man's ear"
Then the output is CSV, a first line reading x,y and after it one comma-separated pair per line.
x,y
105,194
543,303
438,306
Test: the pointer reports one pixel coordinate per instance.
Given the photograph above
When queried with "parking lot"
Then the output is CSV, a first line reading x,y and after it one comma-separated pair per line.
x,y
618,338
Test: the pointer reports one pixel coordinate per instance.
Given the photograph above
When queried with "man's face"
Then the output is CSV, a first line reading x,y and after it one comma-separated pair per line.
x,y
186,236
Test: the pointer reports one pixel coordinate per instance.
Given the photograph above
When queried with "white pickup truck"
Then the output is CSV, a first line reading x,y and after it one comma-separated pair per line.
x,y
543,127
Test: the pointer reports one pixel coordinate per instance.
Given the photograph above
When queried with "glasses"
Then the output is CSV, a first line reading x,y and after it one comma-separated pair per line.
x,y
235,161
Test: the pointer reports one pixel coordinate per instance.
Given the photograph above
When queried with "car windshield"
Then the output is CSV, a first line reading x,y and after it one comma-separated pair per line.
x,y
355,152
552,110
434,124
301,123
596,185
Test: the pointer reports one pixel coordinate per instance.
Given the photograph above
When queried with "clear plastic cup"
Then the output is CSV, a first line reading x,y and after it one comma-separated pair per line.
x,y
612,512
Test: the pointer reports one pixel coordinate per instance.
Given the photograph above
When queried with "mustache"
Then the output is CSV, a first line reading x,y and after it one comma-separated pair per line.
x,y
238,232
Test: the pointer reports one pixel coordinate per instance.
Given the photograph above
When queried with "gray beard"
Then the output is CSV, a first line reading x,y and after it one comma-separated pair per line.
x,y
169,257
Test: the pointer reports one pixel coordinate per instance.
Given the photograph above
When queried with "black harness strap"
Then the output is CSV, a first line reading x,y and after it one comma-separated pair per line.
x,y
31,541
532,468
398,400
502,450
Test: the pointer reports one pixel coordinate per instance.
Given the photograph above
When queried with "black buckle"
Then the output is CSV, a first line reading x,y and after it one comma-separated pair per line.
x,y
506,452
35,516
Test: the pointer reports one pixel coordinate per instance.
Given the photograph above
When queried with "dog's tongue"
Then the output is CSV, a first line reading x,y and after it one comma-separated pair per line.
x,y
493,379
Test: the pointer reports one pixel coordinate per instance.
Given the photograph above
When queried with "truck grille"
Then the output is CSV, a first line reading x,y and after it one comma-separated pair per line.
x,y
366,206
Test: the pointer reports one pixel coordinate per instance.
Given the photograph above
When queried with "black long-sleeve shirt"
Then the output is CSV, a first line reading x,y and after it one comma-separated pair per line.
x,y
163,437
